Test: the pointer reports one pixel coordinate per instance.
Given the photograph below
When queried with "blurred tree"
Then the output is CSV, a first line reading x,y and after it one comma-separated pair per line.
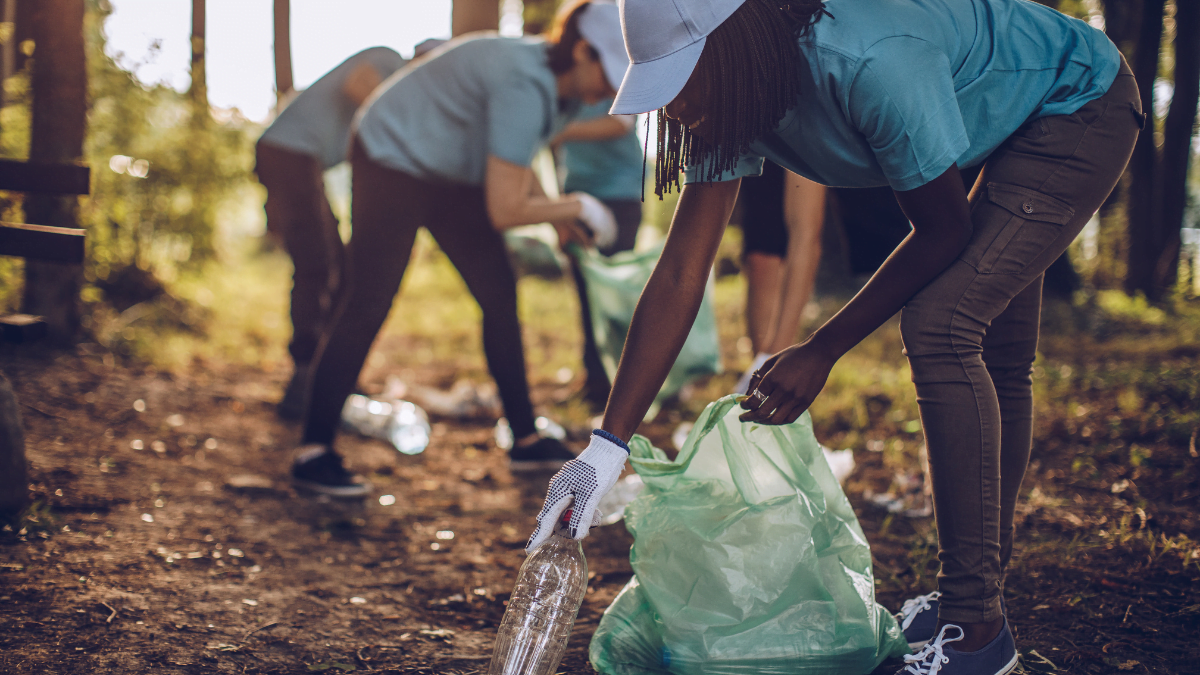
x,y
14,493
199,88
1158,38
283,49
8,42
539,15
472,15
58,123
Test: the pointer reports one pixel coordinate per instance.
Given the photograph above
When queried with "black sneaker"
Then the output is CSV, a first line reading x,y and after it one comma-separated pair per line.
x,y
544,454
292,405
318,469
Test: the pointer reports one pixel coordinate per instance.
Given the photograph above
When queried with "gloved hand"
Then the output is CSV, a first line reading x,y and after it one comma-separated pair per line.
x,y
581,482
598,218
743,385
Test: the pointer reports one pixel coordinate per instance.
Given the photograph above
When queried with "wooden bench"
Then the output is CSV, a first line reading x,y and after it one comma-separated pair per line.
x,y
39,242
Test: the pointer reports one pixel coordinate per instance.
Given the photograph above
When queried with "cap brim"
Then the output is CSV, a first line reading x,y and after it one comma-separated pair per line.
x,y
651,85
614,66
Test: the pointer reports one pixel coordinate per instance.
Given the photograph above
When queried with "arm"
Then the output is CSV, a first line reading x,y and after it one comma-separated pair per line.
x,y
804,212
511,198
360,83
601,128
669,303
941,221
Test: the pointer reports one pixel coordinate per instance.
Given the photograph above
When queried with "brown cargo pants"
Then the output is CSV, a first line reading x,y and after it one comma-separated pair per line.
x,y
971,334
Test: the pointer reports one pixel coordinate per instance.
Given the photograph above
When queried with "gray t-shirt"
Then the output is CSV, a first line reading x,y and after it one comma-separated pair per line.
x,y
317,122
475,96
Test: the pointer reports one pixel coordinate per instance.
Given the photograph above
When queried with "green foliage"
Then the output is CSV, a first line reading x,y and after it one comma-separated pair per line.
x,y
161,173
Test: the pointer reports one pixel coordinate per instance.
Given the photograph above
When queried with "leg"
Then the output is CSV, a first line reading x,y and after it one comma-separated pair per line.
x,y
804,213
1009,348
465,234
629,218
387,211
1033,197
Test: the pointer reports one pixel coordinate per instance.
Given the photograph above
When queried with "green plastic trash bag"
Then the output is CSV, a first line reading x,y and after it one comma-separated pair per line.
x,y
614,284
747,558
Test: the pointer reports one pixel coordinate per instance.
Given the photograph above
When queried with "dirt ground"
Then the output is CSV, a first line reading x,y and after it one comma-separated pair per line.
x,y
145,556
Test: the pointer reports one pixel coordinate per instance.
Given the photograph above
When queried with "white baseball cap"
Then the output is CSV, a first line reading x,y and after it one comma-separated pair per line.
x,y
664,39
600,25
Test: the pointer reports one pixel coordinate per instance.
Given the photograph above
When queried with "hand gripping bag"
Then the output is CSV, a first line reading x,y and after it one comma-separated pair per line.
x,y
614,284
747,558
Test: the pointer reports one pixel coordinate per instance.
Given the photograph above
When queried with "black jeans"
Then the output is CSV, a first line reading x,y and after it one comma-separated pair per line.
x,y
299,213
389,207
628,213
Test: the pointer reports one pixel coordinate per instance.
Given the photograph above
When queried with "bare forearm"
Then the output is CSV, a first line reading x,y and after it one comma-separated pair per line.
x,y
913,264
669,303
596,129
941,221
537,209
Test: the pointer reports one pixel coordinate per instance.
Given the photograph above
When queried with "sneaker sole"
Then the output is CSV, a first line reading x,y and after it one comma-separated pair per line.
x,y
340,491
543,465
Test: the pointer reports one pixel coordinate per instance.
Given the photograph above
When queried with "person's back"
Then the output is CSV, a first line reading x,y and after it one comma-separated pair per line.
x,y
896,90
317,121
441,118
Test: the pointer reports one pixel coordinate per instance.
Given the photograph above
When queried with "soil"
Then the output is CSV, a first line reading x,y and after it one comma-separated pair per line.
x,y
168,540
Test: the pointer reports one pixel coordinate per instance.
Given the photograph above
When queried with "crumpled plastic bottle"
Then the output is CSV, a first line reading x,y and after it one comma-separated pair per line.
x,y
541,612
401,423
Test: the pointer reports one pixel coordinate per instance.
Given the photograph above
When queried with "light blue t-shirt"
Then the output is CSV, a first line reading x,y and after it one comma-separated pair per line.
x,y
317,121
610,169
896,91
475,96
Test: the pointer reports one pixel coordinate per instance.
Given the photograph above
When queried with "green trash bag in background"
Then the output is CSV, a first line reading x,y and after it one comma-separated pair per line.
x,y
614,285
747,558
533,251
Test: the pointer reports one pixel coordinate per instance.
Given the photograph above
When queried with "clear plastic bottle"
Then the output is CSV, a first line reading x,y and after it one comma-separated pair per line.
x,y
541,612
401,423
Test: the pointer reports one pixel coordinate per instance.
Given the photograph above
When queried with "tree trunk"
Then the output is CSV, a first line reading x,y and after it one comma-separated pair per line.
x,y
59,118
198,89
8,50
1178,130
1143,201
472,15
283,49
14,479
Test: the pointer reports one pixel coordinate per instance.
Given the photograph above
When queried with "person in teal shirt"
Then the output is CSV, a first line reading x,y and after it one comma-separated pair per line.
x,y
600,154
446,144
309,136
905,93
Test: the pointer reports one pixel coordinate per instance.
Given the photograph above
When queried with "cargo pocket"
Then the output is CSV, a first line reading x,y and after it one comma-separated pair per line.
x,y
1033,221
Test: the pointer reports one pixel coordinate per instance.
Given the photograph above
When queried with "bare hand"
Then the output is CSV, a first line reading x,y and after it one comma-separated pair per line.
x,y
571,231
789,381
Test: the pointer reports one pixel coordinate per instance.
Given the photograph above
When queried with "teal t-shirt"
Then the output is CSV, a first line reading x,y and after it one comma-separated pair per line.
x,y
475,96
317,121
896,91
609,169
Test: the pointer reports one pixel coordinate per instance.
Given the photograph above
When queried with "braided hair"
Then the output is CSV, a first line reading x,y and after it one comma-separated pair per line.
x,y
749,70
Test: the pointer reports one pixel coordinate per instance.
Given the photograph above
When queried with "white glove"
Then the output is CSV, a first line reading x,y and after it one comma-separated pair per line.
x,y
581,482
598,218
744,383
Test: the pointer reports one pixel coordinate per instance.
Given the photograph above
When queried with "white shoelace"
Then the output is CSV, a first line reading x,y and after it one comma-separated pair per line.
x,y
914,606
929,660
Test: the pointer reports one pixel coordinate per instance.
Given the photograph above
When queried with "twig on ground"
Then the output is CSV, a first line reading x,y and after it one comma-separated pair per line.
x,y
110,616
262,627
43,412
